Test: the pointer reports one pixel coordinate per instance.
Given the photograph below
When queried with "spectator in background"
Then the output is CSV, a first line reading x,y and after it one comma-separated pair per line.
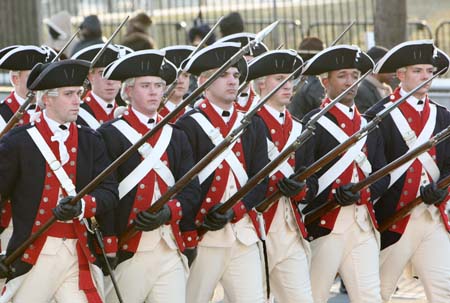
x,y
138,36
199,30
231,24
140,23
59,31
310,92
196,34
90,34
138,41
375,86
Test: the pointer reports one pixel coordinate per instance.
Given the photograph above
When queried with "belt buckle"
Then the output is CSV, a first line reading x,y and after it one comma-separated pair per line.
x,y
55,165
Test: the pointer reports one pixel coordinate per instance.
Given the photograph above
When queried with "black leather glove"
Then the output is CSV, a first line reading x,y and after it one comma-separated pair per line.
x,y
344,195
290,187
5,270
65,211
146,221
112,260
431,194
191,254
215,221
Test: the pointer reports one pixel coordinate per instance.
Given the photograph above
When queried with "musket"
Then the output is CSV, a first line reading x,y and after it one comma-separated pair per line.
x,y
343,33
341,148
99,238
30,95
134,148
100,52
179,71
409,156
272,165
402,212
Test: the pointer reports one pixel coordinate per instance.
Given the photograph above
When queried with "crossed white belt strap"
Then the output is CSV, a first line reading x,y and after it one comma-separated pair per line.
x,y
152,157
228,155
285,168
412,141
354,153
64,180
88,118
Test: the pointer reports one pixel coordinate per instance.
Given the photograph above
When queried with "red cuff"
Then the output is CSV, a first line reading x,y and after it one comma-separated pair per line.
x,y
190,238
239,211
90,206
300,196
175,209
110,243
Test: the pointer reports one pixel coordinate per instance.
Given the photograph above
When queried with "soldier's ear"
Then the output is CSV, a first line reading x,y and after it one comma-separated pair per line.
x,y
324,81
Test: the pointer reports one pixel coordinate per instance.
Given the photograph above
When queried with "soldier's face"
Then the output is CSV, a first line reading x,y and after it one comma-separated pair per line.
x,y
411,76
146,94
104,88
20,82
182,87
338,81
283,96
224,89
65,106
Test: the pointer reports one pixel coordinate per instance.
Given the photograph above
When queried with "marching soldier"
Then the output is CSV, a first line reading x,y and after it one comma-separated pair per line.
x,y
228,253
151,267
247,97
287,250
344,241
421,237
177,54
19,60
99,103
42,165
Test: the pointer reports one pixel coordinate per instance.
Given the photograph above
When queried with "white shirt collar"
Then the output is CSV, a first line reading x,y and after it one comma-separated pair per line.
x,y
346,110
170,105
413,101
219,111
144,119
103,103
53,125
19,98
243,100
276,114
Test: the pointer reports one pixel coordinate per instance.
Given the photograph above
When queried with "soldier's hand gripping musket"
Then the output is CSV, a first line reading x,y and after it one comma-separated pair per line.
x,y
402,212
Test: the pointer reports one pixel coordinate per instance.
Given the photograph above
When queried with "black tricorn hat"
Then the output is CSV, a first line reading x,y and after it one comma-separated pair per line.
x,y
25,57
141,63
58,74
274,62
178,53
214,56
338,57
111,53
244,39
411,53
